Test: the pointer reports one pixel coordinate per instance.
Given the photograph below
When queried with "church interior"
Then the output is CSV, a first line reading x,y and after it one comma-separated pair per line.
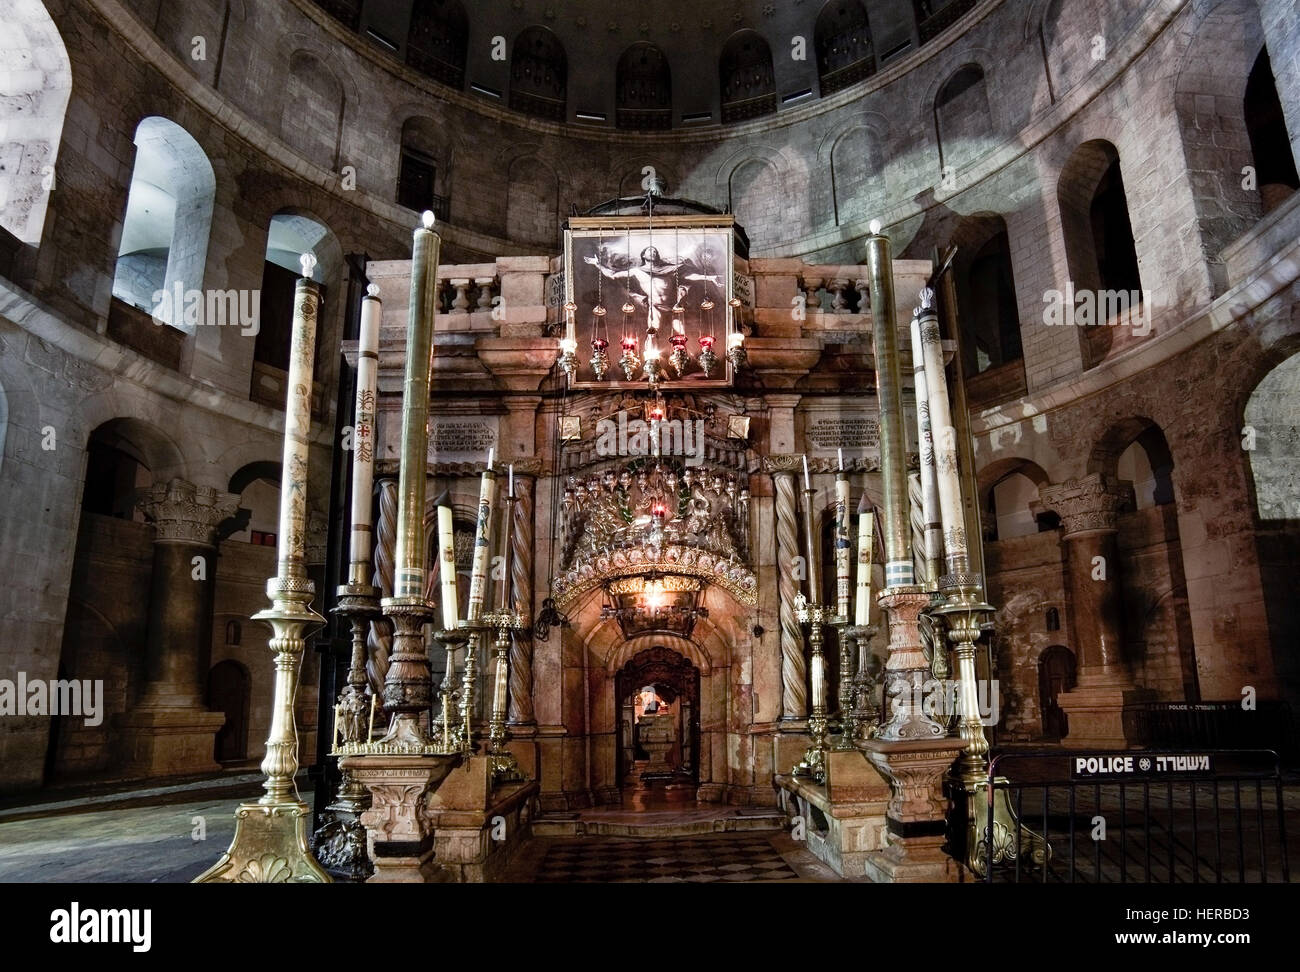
x,y
516,440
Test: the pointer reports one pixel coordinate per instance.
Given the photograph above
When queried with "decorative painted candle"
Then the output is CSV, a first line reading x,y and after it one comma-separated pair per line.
x,y
363,438
447,568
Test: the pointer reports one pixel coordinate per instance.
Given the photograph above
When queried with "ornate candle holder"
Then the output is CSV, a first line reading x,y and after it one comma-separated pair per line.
x,y
448,726
816,617
863,715
504,766
341,839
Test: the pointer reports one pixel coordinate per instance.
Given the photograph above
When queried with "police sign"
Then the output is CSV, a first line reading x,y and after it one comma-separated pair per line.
x,y
1140,765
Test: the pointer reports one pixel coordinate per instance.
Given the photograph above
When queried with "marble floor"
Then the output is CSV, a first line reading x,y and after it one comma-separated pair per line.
x,y
164,834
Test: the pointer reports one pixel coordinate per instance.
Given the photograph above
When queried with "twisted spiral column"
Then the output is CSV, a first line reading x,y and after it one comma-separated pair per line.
x,y
380,642
794,696
521,595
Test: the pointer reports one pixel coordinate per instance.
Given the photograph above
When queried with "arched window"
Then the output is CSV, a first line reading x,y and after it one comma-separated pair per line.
x,y
418,182
539,74
747,78
312,118
164,244
1146,464
963,121
258,518
289,236
645,89
346,12
1099,243
437,40
934,16
843,40
1275,168
986,295
1011,499
38,81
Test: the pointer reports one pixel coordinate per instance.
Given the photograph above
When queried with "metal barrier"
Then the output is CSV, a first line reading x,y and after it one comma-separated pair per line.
x,y
1136,816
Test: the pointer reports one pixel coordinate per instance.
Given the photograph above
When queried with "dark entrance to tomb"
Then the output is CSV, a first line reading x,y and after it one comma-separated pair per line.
x,y
658,695
1056,673
228,691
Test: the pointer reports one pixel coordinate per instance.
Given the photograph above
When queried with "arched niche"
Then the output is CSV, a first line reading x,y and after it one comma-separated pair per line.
x,y
164,244
643,89
746,77
36,91
539,74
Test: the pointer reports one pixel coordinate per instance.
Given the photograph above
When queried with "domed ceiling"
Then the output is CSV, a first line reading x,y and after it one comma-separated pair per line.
x,y
647,66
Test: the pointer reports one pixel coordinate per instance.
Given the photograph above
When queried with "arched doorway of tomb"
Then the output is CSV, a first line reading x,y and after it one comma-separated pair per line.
x,y
657,698
229,689
1056,674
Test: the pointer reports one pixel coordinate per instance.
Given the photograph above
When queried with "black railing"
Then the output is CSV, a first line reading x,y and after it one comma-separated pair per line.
x,y
1137,816
934,24
1216,725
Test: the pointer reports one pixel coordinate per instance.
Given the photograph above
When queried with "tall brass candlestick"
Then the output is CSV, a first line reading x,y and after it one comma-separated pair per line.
x,y
275,827
898,556
408,687
929,473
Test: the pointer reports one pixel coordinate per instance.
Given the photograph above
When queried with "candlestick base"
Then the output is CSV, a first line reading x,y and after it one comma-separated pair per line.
x,y
907,670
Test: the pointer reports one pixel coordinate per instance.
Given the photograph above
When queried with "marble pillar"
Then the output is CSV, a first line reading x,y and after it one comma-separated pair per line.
x,y
794,694
521,593
169,731
1089,509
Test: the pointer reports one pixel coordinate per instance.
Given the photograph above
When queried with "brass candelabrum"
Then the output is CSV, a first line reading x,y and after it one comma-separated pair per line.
x,y
503,763
858,711
341,840
450,727
960,615
816,617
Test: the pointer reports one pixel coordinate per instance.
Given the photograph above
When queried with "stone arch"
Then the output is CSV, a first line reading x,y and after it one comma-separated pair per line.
x,y
986,293
1209,102
963,117
643,89
145,442
168,219
1098,233
993,478
755,194
437,40
314,110
842,38
257,485
424,168
746,78
539,74
857,170
1069,34
532,201
629,185
31,117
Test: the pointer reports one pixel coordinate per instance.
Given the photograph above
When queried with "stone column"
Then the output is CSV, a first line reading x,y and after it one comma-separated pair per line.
x,y
794,695
169,731
1088,509
521,593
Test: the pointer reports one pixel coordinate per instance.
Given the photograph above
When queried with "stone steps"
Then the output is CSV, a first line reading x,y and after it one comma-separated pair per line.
x,y
654,826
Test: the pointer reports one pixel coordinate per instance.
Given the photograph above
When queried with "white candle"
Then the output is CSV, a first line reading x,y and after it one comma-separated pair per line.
x,y
843,547
491,455
363,437
447,568
510,472
478,578
945,438
866,532
840,467
807,482
292,540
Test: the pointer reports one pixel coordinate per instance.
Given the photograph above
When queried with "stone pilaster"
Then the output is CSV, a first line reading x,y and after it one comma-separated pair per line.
x,y
1089,510
169,731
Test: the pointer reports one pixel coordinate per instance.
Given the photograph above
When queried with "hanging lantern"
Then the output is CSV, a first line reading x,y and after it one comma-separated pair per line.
x,y
736,350
629,359
599,358
653,366
680,357
707,358
569,357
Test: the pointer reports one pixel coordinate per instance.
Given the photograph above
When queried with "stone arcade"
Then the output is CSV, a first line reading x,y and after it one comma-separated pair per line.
x,y
714,459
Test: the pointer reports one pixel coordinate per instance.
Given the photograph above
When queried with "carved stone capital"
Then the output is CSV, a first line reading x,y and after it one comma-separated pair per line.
x,y
185,513
1087,505
783,464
